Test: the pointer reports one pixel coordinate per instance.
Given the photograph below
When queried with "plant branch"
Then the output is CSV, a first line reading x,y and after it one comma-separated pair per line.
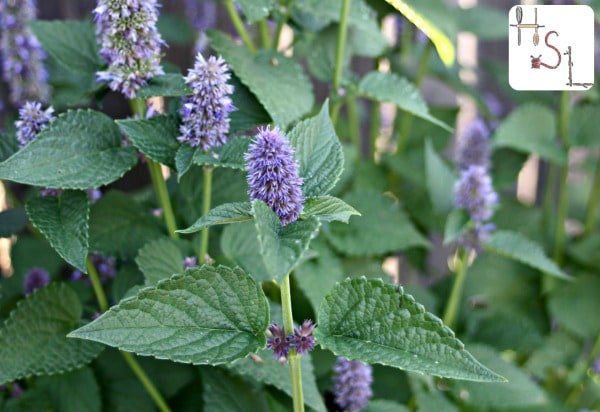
x,y
339,57
206,195
239,26
563,199
293,357
452,307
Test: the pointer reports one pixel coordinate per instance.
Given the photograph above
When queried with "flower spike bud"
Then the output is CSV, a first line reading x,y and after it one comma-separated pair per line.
x,y
352,384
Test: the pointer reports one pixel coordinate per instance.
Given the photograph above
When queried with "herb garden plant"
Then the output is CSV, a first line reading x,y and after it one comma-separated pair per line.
x,y
245,273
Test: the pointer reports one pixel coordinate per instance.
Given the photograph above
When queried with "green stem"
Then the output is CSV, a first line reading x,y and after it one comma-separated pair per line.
x,y
549,199
374,127
97,285
574,394
239,26
593,201
354,121
293,357
451,312
563,199
339,57
206,194
264,34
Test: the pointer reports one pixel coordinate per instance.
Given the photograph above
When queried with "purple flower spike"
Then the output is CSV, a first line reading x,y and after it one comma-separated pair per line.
x,y
34,279
190,262
32,120
302,338
278,343
130,43
22,54
205,114
474,193
273,174
473,148
352,384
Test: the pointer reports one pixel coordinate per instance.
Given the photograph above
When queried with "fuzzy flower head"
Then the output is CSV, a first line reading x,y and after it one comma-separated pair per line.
x,y
34,279
205,114
190,262
473,148
22,54
474,193
302,338
473,238
278,342
352,384
130,43
273,174
32,119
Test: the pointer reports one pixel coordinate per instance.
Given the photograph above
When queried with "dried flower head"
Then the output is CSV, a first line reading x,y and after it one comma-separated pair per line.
x,y
473,148
22,54
205,114
474,193
278,342
34,279
273,174
130,43
302,338
352,384
32,120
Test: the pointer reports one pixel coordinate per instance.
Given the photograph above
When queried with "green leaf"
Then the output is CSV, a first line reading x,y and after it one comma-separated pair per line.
x,y
531,128
9,145
515,246
584,126
384,405
155,137
389,87
208,315
40,348
119,226
78,150
64,222
222,215
168,84
12,221
272,77
370,321
231,155
183,159
249,112
318,152
159,259
76,391
573,304
440,181
427,395
456,223
383,227
270,372
254,10
328,209
176,29
281,247
224,392
421,15
71,43
238,243
518,391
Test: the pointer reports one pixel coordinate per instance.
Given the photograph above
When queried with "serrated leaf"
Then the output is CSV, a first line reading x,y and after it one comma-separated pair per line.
x,y
249,111
440,181
420,15
519,390
12,221
168,84
64,222
383,227
531,128
208,315
183,159
370,321
238,243
281,247
78,150
159,259
254,10
76,391
231,155
155,137
515,246
270,372
40,348
227,393
318,152
328,209
456,223
119,226
222,215
271,76
71,43
389,87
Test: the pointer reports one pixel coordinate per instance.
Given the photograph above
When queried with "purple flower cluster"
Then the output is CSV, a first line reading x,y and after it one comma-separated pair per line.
x,y
190,262
301,340
473,148
22,54
130,43
34,279
32,119
205,114
352,384
273,174
106,267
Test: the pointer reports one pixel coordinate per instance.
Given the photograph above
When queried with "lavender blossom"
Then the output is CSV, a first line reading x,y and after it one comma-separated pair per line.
x,y
130,43
32,120
46,192
190,262
106,267
474,237
34,279
22,54
205,114
474,193
278,342
596,366
302,338
273,174
352,384
473,148
16,391
93,194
